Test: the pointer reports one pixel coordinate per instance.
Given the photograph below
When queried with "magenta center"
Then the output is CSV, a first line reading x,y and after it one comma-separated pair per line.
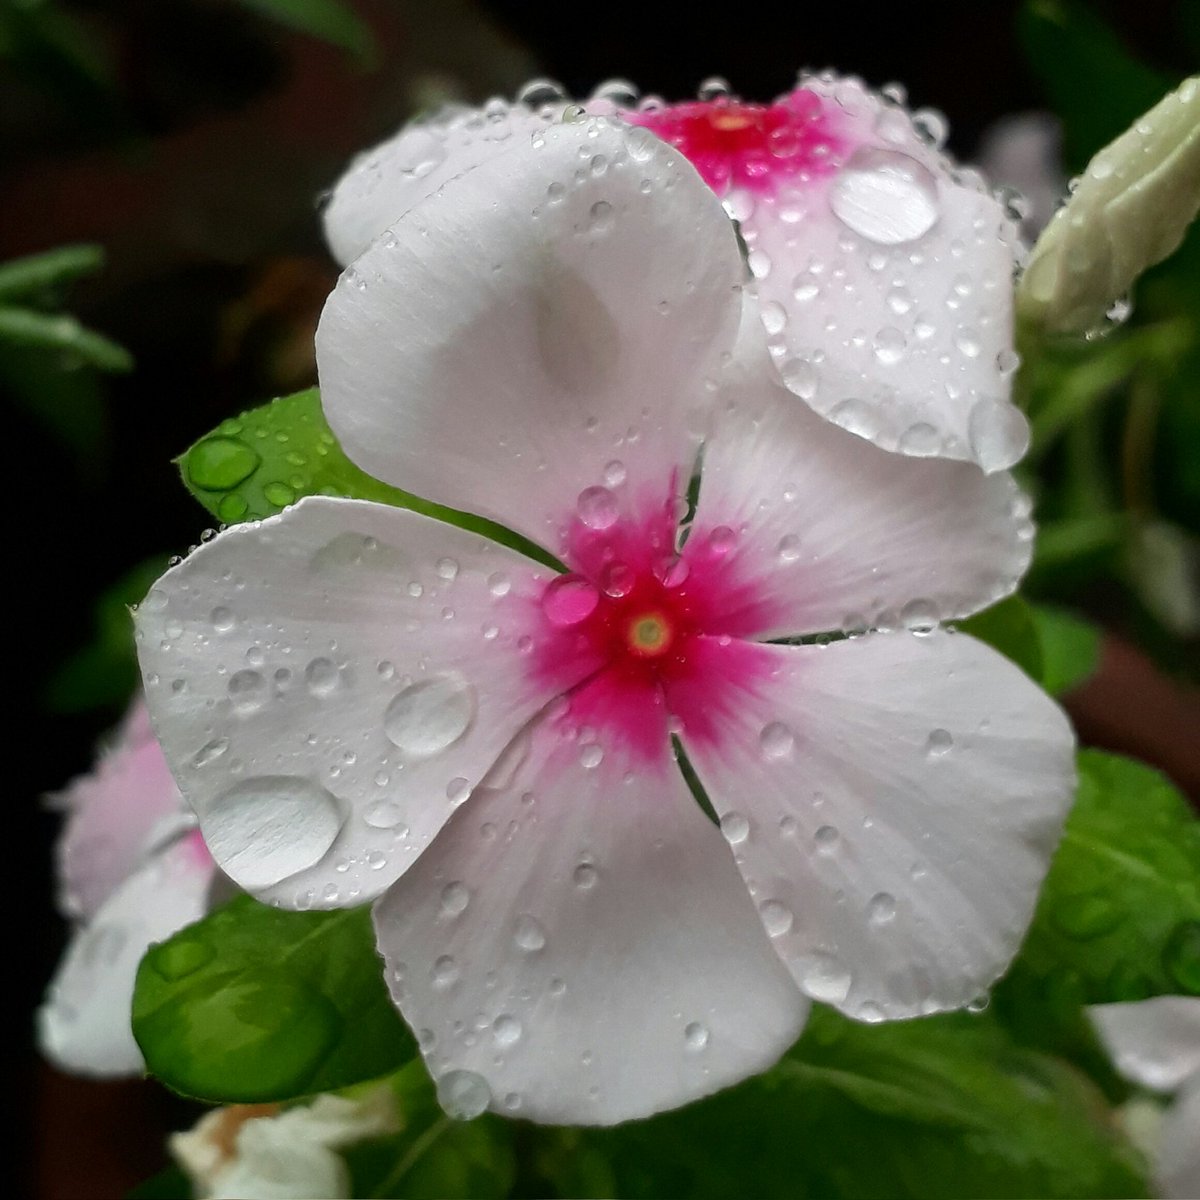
x,y
754,146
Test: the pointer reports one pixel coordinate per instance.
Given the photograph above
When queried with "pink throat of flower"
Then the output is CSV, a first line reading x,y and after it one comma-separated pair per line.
x,y
756,146
660,635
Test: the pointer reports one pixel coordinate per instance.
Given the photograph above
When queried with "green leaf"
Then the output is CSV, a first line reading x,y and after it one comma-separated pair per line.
x,y
432,1156
943,1106
330,20
22,278
1071,50
104,673
254,1004
1070,647
255,465
1010,628
1119,914
58,332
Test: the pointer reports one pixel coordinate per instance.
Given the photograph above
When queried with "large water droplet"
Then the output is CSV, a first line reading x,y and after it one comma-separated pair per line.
x,y
881,909
885,196
430,715
568,600
939,743
266,829
777,740
695,1036
735,827
455,898
825,979
445,974
597,508
220,463
463,1095
777,918
997,432
528,934
506,1030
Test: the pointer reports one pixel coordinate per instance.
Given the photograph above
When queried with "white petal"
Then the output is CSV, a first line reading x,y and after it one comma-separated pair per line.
x,y
83,1025
1177,1168
551,314
329,683
833,532
1153,1042
577,947
383,183
894,802
888,290
117,813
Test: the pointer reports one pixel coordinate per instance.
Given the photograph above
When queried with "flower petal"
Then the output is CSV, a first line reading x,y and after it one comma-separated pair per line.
x,y
115,815
543,323
383,183
1177,1168
832,532
83,1026
893,802
887,289
1153,1042
577,947
330,682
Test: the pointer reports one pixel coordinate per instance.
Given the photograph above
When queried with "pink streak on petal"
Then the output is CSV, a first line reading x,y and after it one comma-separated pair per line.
x,y
622,716
113,815
753,146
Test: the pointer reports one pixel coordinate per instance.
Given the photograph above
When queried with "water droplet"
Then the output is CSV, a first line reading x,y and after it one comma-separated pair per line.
x,y
506,1031
447,569
721,540
890,345
247,690
529,935
920,616
321,676
591,756
455,898
458,790
827,839
585,876
777,918
881,908
499,584
695,1036
788,548
600,217
855,417
615,474
430,715
997,432
540,92
617,580
220,463
222,620
210,751
979,1004
777,741
920,440
568,600
939,743
384,814
885,196
445,973
735,827
825,979
463,1095
180,956
597,508
265,829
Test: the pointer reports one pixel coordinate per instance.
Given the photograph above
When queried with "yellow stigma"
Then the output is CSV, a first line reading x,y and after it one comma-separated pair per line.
x,y
649,634
729,122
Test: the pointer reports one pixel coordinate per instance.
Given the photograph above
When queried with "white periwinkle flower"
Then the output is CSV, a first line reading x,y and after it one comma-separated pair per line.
x,y
884,270
1156,1043
132,869
1128,211
414,712
260,1152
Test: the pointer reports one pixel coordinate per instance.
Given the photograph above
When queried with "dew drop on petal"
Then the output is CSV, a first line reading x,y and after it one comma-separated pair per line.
x,y
455,898
788,548
463,1095
528,934
776,740
265,829
939,743
585,876
430,715
735,827
568,600
506,1030
591,756
885,196
247,691
597,508
825,979
695,1036
384,814
445,973
447,569
826,839
615,473
881,908
321,676
777,918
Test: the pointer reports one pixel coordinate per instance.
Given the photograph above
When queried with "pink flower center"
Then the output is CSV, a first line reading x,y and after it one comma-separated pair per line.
x,y
754,146
656,631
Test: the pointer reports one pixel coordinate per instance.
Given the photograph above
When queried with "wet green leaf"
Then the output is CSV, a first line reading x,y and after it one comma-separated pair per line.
x,y
1070,648
1119,914
254,1004
942,1106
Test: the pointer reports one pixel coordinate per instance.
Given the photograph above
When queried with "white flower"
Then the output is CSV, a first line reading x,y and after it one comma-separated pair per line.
x,y
260,1152
1156,1043
405,707
133,869
1128,211
884,270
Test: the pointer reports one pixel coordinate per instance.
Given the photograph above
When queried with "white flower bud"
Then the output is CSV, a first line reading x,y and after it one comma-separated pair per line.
x,y
1129,211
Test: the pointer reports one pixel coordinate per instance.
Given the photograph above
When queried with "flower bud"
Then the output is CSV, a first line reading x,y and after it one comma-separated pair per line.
x,y
1129,210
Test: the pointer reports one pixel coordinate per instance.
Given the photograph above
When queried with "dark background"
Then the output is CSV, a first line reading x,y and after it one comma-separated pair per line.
x,y
199,170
